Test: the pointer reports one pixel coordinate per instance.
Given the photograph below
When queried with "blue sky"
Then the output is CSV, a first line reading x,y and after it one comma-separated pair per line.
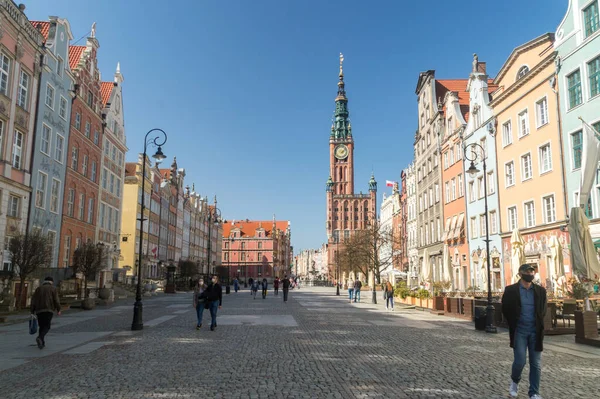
x,y
245,89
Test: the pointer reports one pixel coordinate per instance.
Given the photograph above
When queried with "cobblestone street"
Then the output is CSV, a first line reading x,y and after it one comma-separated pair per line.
x,y
316,345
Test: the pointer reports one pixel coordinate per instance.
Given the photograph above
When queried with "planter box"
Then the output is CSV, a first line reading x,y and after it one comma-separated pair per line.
x,y
438,303
455,305
448,305
413,300
586,325
468,308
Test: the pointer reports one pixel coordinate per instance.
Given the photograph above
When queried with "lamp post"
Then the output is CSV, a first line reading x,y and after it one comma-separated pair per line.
x,y
337,267
159,140
473,171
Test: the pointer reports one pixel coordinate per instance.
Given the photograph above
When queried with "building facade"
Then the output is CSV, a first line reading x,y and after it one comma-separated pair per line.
x,y
578,80
386,224
532,189
311,264
346,210
456,266
52,133
479,144
256,249
84,151
428,172
412,235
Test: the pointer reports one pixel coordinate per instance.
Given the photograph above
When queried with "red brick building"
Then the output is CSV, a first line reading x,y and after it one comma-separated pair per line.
x,y
83,153
257,249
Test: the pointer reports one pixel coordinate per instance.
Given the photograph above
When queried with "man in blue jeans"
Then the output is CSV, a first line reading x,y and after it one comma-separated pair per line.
x,y
524,307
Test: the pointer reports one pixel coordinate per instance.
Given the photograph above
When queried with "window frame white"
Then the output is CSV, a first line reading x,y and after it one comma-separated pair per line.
x,y
541,165
49,97
524,177
523,113
539,121
507,133
46,141
18,148
41,187
23,90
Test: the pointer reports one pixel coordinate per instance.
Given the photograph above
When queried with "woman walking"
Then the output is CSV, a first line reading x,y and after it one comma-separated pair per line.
x,y
264,288
199,301
389,296
214,296
350,289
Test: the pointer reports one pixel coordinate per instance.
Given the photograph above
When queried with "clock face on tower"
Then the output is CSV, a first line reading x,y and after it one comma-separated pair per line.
x,y
341,151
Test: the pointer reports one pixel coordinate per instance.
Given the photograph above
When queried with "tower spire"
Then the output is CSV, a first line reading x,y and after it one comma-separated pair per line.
x,y
340,130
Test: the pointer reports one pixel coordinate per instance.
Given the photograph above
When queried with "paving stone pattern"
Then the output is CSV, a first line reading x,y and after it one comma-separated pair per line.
x,y
316,345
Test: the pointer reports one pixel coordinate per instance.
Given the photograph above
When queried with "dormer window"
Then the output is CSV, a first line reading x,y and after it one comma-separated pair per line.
x,y
524,70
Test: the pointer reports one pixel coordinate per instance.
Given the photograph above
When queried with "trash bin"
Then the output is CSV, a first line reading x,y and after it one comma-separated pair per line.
x,y
480,318
227,289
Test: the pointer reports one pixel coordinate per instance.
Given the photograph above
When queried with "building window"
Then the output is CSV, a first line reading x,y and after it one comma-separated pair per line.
x,y
23,88
74,155
493,223
574,88
453,189
50,96
90,99
471,191
58,149
40,192
491,183
70,202
545,159
51,241
526,172
451,156
88,129
461,189
512,218
4,73
81,206
17,150
1,136
577,144
541,110
60,66
96,137
437,193
506,134
54,191
84,165
78,121
67,255
482,225
90,214
62,110
594,76
105,183
14,203
529,214
523,124
45,139
473,227
549,209
93,175
480,188
445,160
112,184
439,229
458,152
102,217
118,188
590,18
430,197
524,70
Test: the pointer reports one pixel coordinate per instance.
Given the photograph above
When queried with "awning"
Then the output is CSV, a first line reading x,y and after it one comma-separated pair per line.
x,y
447,230
452,227
459,226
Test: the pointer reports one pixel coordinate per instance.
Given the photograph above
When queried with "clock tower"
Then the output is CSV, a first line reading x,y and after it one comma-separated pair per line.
x,y
346,211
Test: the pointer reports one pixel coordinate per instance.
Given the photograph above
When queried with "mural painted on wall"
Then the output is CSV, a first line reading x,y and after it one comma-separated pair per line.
x,y
537,245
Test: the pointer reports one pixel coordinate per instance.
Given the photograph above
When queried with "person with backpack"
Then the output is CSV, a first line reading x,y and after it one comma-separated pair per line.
x,y
43,304
276,285
214,300
199,301
286,287
357,287
254,288
264,288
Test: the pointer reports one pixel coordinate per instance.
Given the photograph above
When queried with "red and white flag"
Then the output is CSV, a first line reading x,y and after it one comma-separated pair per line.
x,y
389,183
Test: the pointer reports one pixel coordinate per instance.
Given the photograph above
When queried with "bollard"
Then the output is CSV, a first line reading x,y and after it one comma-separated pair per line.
x,y
227,289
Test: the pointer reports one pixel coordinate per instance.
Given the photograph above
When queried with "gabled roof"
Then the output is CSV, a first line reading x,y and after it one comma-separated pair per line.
x,y
442,86
43,27
521,49
75,55
105,90
131,169
248,228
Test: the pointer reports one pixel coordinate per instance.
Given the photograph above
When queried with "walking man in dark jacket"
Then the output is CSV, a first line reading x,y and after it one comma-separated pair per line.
x,y
286,287
524,307
43,304
214,300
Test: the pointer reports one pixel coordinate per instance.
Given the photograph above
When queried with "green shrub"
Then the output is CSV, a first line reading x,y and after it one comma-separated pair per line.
x,y
423,293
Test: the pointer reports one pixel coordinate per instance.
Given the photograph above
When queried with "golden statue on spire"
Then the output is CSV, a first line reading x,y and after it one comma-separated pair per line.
x,y
341,62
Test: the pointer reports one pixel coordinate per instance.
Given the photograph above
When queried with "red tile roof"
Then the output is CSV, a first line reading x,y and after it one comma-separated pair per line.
x,y
74,55
249,227
43,27
105,90
166,173
460,87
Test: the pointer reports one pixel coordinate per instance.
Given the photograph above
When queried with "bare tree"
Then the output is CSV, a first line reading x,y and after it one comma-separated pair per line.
x,y
28,251
376,249
187,268
88,260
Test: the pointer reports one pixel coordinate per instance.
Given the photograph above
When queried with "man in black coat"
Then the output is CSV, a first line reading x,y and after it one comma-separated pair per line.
x,y
286,287
524,307
214,300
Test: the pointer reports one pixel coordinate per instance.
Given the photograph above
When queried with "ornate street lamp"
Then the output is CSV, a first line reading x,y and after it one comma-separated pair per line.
x,y
473,171
159,140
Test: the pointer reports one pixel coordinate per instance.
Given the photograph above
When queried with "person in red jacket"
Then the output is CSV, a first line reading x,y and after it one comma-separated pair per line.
x,y
276,285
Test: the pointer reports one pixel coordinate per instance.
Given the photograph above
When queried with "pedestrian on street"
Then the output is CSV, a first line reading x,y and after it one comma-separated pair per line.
x,y
43,304
276,285
264,288
350,289
297,282
254,288
286,287
357,287
524,307
389,296
214,300
199,301
250,281
236,285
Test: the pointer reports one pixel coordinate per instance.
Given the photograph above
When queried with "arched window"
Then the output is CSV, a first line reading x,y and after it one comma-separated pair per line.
x,y
522,71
